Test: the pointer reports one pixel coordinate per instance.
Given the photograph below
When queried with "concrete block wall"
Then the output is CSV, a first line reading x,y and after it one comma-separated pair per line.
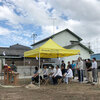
x,y
25,70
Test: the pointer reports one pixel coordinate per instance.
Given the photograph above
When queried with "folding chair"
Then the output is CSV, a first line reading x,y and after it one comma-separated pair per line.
x,y
60,81
70,80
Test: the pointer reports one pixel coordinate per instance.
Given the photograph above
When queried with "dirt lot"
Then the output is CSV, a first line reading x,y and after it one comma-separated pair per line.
x,y
73,91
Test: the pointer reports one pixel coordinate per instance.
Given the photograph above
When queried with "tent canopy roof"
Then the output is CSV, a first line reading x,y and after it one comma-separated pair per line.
x,y
50,49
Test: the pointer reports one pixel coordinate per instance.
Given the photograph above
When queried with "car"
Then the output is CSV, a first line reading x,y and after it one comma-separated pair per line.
x,y
49,65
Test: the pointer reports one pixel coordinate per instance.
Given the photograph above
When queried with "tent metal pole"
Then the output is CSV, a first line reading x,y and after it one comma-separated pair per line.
x,y
60,62
39,69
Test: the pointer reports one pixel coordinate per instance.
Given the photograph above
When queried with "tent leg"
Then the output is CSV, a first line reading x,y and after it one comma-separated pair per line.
x,y
39,69
59,62
1,69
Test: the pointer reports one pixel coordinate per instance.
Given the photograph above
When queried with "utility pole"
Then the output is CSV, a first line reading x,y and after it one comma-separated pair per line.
x,y
97,41
34,37
89,45
53,24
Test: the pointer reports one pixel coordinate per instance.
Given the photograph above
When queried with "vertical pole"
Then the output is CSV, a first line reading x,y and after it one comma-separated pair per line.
x,y
53,26
3,63
39,69
1,68
60,62
24,70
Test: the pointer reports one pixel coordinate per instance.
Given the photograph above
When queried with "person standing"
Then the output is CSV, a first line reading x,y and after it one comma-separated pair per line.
x,y
63,70
69,65
89,71
73,68
80,69
94,70
63,64
85,68
13,67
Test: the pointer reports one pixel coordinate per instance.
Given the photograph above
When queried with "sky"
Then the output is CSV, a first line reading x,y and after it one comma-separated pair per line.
x,y
19,19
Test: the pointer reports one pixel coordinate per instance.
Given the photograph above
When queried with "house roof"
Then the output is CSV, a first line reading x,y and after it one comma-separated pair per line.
x,y
72,45
97,56
14,50
57,34
18,46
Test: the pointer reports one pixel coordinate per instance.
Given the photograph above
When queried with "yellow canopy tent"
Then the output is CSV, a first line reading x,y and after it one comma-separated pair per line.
x,y
50,50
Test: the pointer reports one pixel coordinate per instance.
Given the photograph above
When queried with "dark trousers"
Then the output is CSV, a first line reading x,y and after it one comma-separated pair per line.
x,y
80,76
73,72
55,79
36,79
45,76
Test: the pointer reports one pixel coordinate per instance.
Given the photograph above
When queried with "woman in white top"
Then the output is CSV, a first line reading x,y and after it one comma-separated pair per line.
x,y
68,74
57,75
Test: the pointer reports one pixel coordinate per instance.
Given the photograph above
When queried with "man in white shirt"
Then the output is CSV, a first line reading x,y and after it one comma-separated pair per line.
x,y
94,70
45,72
68,74
57,75
52,73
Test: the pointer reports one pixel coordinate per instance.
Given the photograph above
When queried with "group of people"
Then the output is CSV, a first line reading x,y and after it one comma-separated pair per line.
x,y
61,72
12,69
12,66
54,74
91,70
87,67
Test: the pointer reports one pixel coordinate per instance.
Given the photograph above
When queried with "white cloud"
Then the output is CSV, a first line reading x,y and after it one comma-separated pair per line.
x,y
83,16
21,40
4,31
33,12
86,10
8,14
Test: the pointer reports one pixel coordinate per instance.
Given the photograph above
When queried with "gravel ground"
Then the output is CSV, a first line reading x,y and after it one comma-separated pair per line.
x,y
73,91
